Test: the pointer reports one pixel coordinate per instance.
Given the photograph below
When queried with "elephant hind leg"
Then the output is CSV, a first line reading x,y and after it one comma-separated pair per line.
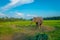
x,y
40,24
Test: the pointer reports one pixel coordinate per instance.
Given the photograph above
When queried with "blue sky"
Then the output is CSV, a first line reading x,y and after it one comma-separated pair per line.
x,y
29,8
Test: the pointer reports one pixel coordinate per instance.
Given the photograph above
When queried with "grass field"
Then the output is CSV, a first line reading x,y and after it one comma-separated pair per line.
x,y
24,28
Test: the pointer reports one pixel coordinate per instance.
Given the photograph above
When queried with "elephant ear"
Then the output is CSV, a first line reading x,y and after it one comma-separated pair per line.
x,y
34,19
41,19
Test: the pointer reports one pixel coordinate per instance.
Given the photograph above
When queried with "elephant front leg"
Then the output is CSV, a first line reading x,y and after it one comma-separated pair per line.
x,y
39,25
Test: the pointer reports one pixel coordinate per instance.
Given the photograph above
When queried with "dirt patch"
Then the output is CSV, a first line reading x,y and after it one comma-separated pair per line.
x,y
6,37
33,29
47,28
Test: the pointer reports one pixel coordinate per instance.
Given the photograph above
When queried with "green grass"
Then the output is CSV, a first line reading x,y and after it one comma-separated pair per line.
x,y
25,27
6,30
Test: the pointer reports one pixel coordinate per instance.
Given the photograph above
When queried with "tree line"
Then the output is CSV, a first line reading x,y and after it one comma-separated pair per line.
x,y
4,19
52,18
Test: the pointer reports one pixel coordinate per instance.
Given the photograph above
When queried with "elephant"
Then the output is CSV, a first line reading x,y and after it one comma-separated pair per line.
x,y
38,21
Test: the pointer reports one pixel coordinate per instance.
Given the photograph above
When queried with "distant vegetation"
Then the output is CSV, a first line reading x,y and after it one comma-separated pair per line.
x,y
52,18
4,19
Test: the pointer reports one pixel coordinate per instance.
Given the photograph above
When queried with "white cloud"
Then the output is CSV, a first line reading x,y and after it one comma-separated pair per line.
x,y
19,14
14,3
1,14
23,15
29,15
